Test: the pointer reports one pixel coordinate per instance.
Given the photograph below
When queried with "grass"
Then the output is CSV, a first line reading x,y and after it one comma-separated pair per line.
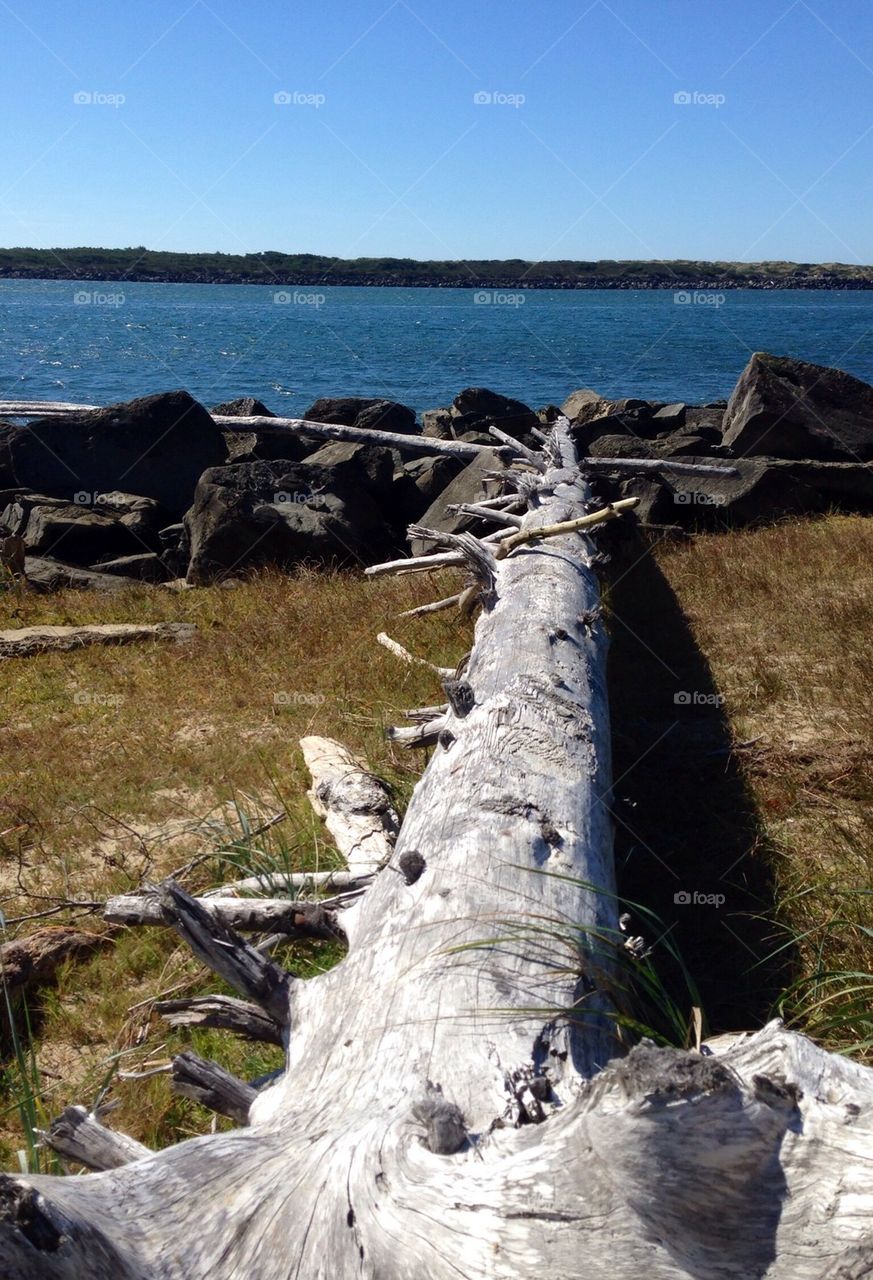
x,y
124,764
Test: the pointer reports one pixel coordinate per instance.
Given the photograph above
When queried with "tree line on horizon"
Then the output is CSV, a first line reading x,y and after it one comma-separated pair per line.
x,y
273,267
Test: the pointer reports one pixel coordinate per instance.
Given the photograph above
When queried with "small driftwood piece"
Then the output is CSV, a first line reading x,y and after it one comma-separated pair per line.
x,y
437,606
533,456
241,966
251,915
657,464
77,1134
290,881
612,512
209,1084
223,1013
496,514
405,656
356,805
33,960
24,642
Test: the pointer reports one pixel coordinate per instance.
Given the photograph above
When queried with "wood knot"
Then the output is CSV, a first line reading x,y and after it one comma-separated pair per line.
x,y
412,865
460,696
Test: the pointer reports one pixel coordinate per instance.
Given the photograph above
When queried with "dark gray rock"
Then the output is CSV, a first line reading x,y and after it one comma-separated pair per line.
x,y
789,409
478,408
121,524
670,416
54,575
287,513
438,423
363,412
148,567
243,407
467,486
157,446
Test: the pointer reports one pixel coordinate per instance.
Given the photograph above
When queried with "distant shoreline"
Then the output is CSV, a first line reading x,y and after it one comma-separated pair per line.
x,y
280,270
520,285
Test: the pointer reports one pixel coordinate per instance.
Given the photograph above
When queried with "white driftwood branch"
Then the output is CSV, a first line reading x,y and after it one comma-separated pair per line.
x,y
286,881
22,642
410,658
437,606
252,915
356,805
78,1135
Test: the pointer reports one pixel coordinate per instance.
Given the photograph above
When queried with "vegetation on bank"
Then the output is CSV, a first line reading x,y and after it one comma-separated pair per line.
x,y
274,268
123,765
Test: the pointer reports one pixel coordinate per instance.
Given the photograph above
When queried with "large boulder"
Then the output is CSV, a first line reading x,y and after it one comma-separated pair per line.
x,y
467,486
477,409
260,445
158,446
786,408
243,407
763,490
120,524
364,413
288,513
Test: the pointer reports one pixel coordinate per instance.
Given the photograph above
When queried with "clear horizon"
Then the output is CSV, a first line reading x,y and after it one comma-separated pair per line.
x,y
595,131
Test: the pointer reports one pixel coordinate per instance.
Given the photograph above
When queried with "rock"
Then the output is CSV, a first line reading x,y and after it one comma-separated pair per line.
x,y
789,409
681,443
54,575
670,416
477,408
764,491
175,549
618,446
157,446
243,407
147,567
549,414
438,423
581,403
12,557
431,475
387,415
287,513
363,412
122,523
467,486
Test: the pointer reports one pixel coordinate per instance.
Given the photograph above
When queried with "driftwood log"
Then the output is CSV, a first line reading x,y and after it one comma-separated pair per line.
x,y
456,1102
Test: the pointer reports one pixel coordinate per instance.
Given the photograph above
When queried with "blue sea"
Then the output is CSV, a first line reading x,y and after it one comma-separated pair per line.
x,y
102,342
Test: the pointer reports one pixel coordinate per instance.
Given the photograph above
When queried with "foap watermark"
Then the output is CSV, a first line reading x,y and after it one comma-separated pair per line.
x,y
694,698
493,298
497,98
95,98
694,98
298,497
298,698
695,498
87,498
89,698
93,298
698,298
297,299
686,898
297,98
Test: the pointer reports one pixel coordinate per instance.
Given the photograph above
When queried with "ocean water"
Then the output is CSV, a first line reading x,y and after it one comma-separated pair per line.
x,y
103,342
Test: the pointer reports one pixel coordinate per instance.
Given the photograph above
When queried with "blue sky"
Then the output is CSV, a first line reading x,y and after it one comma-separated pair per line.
x,y
578,150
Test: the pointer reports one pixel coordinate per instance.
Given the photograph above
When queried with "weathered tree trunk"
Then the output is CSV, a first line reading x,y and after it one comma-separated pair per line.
x,y
455,1101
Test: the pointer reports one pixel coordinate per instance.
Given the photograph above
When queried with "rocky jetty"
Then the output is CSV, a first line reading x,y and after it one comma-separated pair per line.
x,y
156,490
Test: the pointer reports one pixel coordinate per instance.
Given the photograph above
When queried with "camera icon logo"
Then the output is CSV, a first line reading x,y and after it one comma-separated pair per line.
x,y
282,298
682,98
682,898
682,698
282,98
483,98
682,299
82,98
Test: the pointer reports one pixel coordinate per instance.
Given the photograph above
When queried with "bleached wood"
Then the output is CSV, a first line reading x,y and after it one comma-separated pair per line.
x,y
379,1153
495,514
410,658
658,464
283,881
23,642
437,606
292,918
222,1012
356,806
77,1134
